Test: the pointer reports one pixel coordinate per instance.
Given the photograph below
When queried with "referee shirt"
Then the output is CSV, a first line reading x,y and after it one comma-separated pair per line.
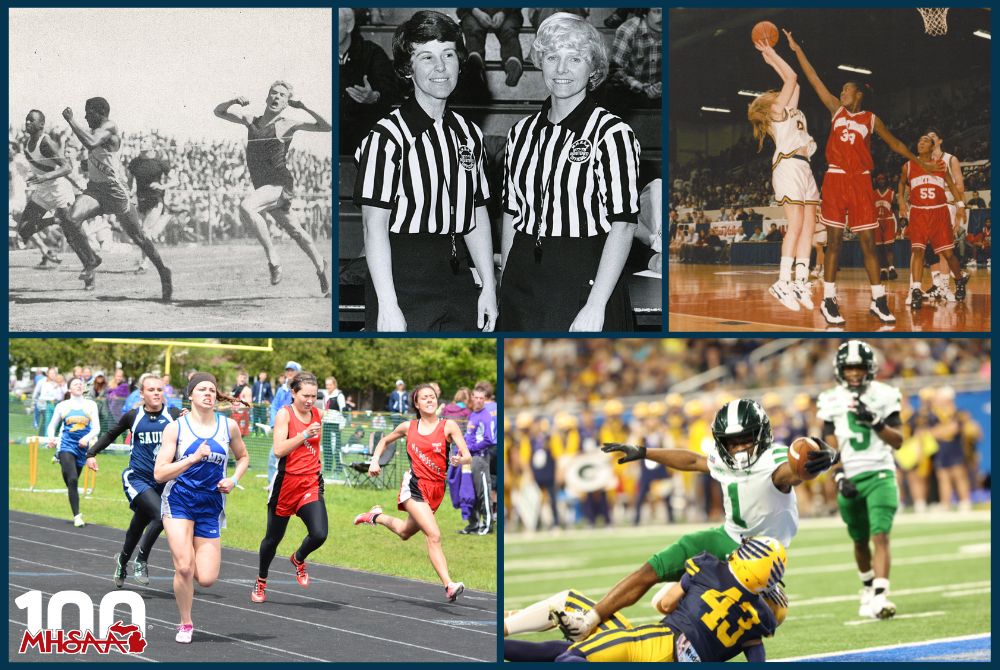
x,y
574,178
430,174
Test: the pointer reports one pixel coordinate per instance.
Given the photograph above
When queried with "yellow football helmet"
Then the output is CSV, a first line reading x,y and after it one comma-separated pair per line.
x,y
777,601
758,563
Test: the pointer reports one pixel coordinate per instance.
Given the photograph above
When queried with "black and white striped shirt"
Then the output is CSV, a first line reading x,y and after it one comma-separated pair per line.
x,y
574,178
430,174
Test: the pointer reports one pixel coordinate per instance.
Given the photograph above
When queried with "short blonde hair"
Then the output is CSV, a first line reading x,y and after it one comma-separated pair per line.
x,y
563,29
287,86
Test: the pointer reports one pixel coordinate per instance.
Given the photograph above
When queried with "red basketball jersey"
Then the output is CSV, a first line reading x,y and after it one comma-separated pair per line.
x,y
849,147
303,460
926,189
883,203
428,453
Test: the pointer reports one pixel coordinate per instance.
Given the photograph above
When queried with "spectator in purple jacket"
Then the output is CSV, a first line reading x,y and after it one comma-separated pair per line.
x,y
118,392
458,408
481,436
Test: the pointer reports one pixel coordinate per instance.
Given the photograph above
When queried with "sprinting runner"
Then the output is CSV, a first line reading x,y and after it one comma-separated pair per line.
x,y
80,422
268,137
152,179
146,423
107,189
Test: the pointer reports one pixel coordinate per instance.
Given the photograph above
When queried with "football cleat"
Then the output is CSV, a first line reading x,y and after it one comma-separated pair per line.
x,y
880,308
259,594
782,290
881,608
803,293
453,591
831,312
368,517
865,608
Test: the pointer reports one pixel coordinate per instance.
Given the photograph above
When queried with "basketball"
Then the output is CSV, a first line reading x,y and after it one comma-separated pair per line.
x,y
765,30
798,456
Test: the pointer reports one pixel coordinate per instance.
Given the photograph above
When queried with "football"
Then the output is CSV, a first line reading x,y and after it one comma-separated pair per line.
x,y
798,456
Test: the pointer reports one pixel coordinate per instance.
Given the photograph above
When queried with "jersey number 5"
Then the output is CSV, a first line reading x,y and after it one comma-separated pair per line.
x,y
927,193
861,436
721,603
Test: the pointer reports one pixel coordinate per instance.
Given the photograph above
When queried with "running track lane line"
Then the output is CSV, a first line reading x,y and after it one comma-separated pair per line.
x,y
316,579
170,625
246,609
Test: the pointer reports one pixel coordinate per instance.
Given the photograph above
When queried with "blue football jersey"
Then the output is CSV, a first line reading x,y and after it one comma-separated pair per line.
x,y
716,616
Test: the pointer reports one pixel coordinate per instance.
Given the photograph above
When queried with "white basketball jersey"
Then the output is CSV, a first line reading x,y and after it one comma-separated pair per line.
x,y
753,505
861,449
790,135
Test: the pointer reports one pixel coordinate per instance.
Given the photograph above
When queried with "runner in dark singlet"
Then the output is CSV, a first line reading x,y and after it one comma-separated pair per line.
x,y
268,137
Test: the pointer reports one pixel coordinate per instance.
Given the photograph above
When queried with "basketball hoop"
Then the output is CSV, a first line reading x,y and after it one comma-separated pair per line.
x,y
935,20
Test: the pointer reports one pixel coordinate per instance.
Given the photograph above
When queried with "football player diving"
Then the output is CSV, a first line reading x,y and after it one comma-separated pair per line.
x,y
719,609
757,492
861,419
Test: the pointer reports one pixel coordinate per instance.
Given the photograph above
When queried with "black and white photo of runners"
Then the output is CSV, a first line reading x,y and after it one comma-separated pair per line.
x,y
170,169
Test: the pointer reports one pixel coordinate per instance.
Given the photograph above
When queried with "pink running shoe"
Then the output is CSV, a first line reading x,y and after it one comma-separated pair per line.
x,y
368,517
184,633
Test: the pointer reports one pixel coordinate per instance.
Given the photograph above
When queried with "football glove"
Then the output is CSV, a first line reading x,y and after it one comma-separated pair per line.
x,y
629,452
575,625
864,415
822,459
845,486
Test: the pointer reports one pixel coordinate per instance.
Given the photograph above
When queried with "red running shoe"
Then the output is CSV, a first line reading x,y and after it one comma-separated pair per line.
x,y
300,571
368,517
258,595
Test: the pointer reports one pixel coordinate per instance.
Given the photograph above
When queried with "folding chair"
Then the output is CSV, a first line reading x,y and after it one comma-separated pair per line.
x,y
357,473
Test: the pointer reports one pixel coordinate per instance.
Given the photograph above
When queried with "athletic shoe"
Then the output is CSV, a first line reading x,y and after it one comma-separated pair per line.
x,y
471,529
816,272
934,293
275,273
915,299
301,576
140,570
259,594
78,521
368,517
324,283
166,284
453,590
44,264
960,286
140,269
881,608
892,273
947,295
883,274
514,69
831,311
880,308
802,290
782,290
89,279
120,572
867,593
972,264
88,268
184,633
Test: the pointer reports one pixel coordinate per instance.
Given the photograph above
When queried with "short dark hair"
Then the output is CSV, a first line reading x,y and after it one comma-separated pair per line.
x,y
99,105
863,86
934,130
424,26
40,114
301,379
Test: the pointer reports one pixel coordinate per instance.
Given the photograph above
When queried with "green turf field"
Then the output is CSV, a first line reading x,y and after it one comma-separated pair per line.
x,y
471,559
940,580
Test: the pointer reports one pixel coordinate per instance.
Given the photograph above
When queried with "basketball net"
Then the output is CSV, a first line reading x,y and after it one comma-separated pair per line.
x,y
935,20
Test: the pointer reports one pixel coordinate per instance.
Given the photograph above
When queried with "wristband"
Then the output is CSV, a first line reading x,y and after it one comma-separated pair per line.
x,y
305,438
235,480
837,477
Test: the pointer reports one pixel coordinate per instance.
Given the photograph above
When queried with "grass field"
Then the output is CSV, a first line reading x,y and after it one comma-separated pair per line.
x,y
471,559
224,287
940,579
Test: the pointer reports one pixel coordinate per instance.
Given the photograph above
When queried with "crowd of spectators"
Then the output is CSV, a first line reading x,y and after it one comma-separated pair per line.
x,y
566,397
212,178
541,372
741,176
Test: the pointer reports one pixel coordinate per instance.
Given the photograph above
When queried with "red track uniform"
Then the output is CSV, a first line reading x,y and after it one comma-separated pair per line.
x,y
886,219
847,185
930,224
298,481
425,480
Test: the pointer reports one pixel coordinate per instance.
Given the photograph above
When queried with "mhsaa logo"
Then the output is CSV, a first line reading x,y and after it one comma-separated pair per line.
x,y
113,634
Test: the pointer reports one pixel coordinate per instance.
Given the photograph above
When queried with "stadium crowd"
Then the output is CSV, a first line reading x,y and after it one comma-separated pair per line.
x,y
560,411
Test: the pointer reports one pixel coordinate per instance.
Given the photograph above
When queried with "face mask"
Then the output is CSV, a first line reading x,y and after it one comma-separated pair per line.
x,y
741,460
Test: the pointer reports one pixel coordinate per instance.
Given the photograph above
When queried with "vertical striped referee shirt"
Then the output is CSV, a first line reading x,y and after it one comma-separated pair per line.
x,y
574,178
430,174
